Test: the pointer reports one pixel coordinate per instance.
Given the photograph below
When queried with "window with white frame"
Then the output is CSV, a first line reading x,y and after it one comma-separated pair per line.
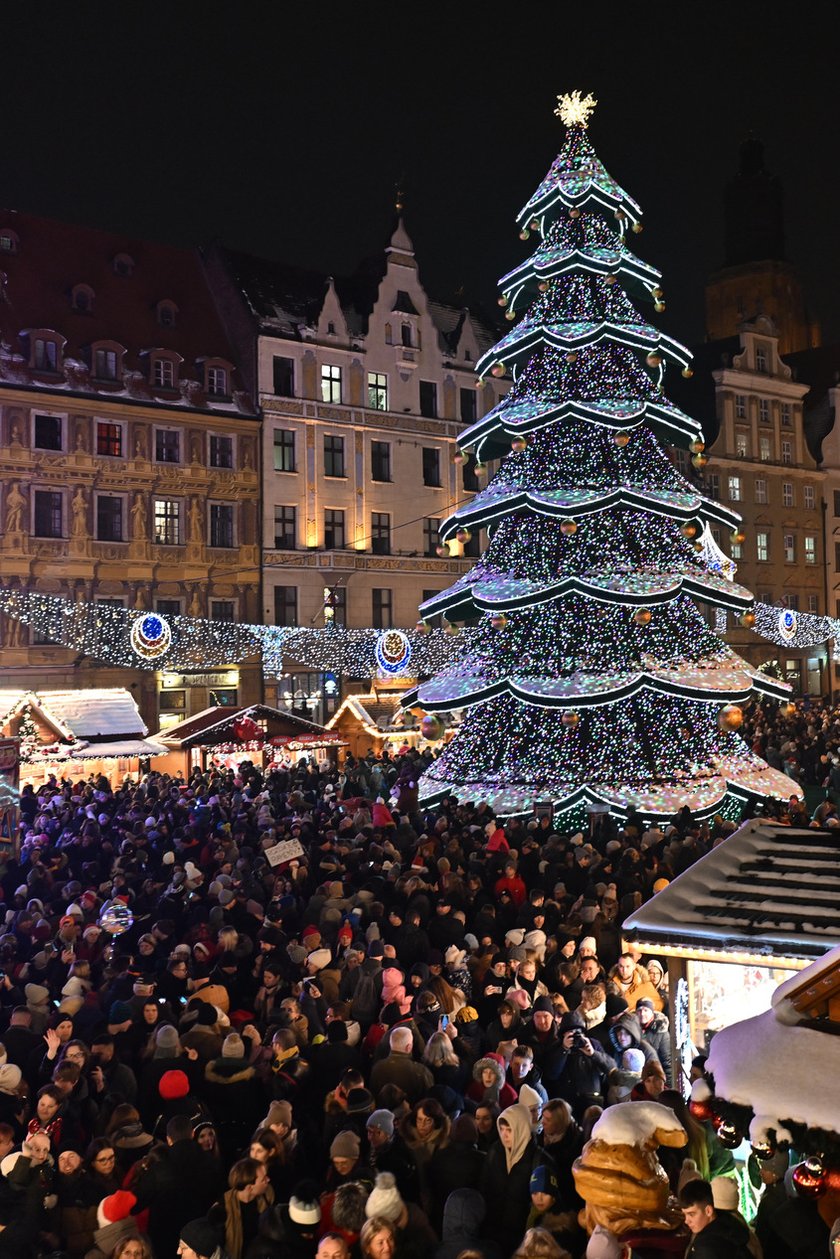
x,y
813,603
789,547
741,444
734,489
761,358
762,546
163,373
713,485
787,415
167,445
45,354
110,518
221,451
285,528
788,499
330,383
110,439
284,450
809,497
760,490
106,364
217,381
736,550
764,411
377,388
740,406
787,452
765,448
168,530
810,548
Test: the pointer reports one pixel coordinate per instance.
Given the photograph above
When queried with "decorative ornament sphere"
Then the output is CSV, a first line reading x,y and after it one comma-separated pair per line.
x,y
637,227
643,616
543,286
442,551
498,369
518,444
619,213
450,628
621,439
699,460
700,1110
574,213
698,546
431,727
689,530
809,1178
116,918
658,294
570,719
502,301
654,360
696,447
571,357
610,279
524,234
788,710
422,627
479,384
510,315
480,469
659,307
535,225
498,620
731,717
728,1135
764,1150
463,536
568,528
460,456
748,619
737,537
687,372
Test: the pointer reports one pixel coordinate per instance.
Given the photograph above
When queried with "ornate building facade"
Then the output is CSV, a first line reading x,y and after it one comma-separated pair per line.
x,y
129,453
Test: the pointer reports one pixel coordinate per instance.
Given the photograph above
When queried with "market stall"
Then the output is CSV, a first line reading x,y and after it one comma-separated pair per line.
x,y
76,734
223,737
761,905
376,722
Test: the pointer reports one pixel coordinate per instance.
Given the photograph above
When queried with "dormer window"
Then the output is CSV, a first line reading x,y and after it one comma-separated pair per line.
x,y
163,373
406,334
331,329
9,243
123,265
468,356
106,360
167,314
45,353
217,380
81,298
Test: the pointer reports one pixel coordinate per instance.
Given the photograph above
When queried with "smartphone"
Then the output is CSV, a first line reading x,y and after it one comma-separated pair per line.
x,y
444,1022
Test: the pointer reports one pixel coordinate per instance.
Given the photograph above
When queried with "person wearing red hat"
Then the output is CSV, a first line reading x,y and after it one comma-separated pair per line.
x,y
114,1223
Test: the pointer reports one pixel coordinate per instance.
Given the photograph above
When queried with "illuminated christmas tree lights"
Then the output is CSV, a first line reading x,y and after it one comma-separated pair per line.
x,y
591,676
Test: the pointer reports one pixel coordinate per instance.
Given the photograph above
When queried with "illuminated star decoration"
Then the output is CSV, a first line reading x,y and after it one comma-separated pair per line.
x,y
574,109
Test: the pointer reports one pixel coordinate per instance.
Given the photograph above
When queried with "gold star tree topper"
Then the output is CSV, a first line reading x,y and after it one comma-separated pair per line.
x,y
573,109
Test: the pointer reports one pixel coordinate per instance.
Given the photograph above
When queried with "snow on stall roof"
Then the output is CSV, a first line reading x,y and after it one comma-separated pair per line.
x,y
767,889
634,1123
97,712
781,1072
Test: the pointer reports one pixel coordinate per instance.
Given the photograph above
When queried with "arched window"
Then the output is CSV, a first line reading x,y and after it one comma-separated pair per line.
x,y
167,314
123,264
9,243
81,298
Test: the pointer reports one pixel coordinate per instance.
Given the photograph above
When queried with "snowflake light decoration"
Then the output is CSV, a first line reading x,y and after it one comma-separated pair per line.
x,y
574,109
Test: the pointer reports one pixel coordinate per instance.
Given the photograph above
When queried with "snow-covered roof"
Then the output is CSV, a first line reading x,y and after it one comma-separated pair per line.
x,y
768,890
117,748
87,714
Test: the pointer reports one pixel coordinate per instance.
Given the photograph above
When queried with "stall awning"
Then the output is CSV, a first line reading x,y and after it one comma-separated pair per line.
x,y
769,891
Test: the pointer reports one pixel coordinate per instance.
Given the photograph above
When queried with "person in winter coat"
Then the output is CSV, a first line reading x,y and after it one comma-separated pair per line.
x,y
656,1032
626,1033
399,1068
507,1026
389,1153
714,1234
458,1165
507,1177
548,1211
177,1187
463,1218
115,1223
234,1096
582,1077
489,1083
632,983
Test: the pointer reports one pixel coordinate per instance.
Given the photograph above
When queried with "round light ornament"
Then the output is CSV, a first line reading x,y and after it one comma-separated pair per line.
x,y
498,620
621,439
570,719
654,360
731,717
737,537
442,551
568,528
748,619
151,636
687,372
393,651
116,918
571,357
518,445
463,536
699,461
431,728
497,370
643,616
689,530
697,446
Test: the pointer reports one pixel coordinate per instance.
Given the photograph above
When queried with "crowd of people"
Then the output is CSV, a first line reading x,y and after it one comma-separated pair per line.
x,y
393,1045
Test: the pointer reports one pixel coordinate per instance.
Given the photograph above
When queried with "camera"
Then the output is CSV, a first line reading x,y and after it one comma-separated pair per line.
x,y
578,1039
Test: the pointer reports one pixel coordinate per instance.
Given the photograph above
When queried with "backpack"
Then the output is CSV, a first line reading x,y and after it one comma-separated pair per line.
x,y
365,1003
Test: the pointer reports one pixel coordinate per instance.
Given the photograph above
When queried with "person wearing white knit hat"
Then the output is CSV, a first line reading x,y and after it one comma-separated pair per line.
x,y
407,1219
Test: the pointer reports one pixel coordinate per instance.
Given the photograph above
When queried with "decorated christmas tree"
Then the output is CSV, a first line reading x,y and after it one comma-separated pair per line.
x,y
592,677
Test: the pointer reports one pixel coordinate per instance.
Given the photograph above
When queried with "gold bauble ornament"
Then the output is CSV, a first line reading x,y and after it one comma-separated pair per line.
x,y
571,357
699,460
574,213
788,709
570,719
498,620
689,530
659,307
637,227
737,536
730,717
658,294
643,616
524,234
543,286
502,301
463,536
748,619
450,628
610,279
422,627
510,314
442,551
498,369
687,372
518,445
621,439
535,225
568,528
460,456
480,469
431,727
654,360
696,447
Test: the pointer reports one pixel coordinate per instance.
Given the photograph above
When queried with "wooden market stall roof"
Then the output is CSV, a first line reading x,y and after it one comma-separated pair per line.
x,y
374,713
97,723
767,891
216,725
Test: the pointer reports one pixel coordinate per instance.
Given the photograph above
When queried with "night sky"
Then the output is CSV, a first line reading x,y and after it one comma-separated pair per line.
x,y
283,132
